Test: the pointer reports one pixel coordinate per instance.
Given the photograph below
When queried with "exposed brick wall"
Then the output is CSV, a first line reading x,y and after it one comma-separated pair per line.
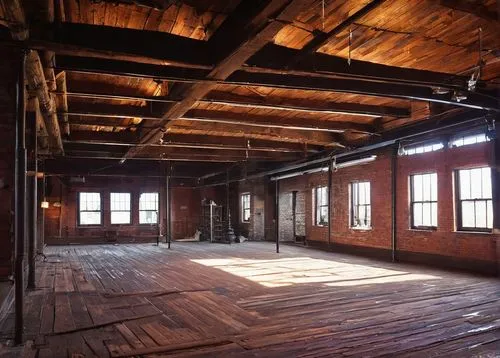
x,y
259,221
444,240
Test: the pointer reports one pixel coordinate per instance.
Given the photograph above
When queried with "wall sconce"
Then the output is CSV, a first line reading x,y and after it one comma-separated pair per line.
x,y
56,204
44,204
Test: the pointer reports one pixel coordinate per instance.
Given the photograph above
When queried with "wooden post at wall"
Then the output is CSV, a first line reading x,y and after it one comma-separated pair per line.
x,y
33,203
495,181
41,213
20,199
329,203
277,185
169,204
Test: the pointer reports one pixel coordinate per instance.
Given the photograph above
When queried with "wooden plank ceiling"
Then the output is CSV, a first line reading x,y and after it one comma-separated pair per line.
x,y
255,81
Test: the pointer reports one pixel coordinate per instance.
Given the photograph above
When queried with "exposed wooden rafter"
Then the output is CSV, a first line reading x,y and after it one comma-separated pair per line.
x,y
243,33
284,104
351,82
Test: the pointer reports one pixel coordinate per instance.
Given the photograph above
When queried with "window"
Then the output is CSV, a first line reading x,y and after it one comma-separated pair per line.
x,y
469,139
89,208
423,200
360,205
475,205
120,208
245,207
148,208
321,202
425,148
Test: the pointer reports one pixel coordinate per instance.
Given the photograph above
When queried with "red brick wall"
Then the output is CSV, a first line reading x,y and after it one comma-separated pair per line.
x,y
66,194
259,221
444,240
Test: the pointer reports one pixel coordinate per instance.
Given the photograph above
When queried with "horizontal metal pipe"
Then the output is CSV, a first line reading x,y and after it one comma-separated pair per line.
x,y
361,150
185,145
211,120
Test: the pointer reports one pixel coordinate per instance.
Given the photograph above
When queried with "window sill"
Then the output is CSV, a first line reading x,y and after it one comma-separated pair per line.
x,y
423,229
361,228
473,232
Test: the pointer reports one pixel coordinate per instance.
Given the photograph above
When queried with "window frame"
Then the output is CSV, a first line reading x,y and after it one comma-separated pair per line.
x,y
243,208
468,135
79,211
421,148
412,202
318,207
352,205
120,211
458,203
157,207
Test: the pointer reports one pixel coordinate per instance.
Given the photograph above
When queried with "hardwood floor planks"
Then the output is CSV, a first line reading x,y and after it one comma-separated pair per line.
x,y
202,300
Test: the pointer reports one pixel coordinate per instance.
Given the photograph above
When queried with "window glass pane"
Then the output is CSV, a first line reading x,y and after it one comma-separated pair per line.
x,y
417,188
426,191
481,214
120,217
489,214
148,217
426,214
434,187
90,218
468,214
362,215
486,183
476,183
367,193
464,177
120,201
417,214
434,214
355,198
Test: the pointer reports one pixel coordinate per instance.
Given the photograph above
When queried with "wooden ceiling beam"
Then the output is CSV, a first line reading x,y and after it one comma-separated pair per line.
x,y
115,43
244,32
98,149
350,82
272,134
197,115
277,57
124,138
307,106
283,104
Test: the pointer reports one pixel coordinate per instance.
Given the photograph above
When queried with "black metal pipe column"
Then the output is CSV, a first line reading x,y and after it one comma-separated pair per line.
x,y
41,212
169,204
394,174
277,216
33,205
329,202
20,200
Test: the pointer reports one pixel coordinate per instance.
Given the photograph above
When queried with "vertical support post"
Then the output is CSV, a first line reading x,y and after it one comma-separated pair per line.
x,y
495,186
33,207
329,203
41,214
277,185
20,199
394,175
169,204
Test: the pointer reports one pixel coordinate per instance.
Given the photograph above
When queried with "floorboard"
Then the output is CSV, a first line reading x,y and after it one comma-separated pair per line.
x,y
244,300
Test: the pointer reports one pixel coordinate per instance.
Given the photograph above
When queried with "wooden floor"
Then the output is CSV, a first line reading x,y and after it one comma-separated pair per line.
x,y
244,300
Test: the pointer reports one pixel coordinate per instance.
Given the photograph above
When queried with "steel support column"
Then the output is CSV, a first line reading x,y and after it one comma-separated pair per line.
x,y
20,199
33,204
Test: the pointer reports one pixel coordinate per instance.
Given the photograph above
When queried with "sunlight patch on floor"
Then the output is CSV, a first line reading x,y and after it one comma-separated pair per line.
x,y
305,270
